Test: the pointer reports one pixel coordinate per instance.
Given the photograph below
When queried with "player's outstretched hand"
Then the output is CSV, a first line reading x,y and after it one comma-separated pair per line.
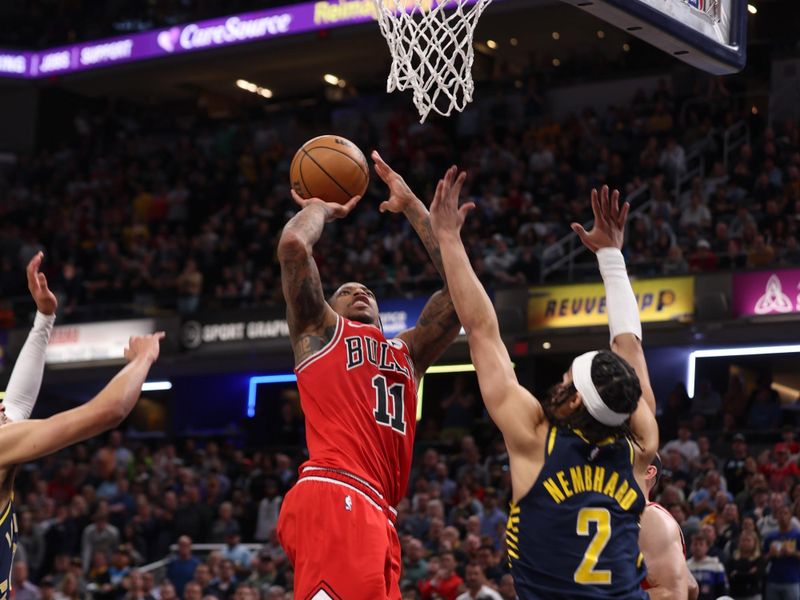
x,y
146,346
608,230
400,195
46,301
446,215
333,210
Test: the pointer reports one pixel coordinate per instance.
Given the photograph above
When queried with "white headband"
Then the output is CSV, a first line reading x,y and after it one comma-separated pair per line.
x,y
582,379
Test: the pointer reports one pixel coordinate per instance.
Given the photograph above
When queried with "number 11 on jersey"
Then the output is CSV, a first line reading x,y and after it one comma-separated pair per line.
x,y
396,420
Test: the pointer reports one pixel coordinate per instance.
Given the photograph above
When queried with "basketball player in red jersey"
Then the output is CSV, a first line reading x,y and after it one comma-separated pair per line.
x,y
664,549
358,394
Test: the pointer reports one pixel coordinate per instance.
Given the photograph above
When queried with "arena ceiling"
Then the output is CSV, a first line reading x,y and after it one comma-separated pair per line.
x,y
293,67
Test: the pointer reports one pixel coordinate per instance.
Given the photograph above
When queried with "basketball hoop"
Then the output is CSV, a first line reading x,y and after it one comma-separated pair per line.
x,y
432,53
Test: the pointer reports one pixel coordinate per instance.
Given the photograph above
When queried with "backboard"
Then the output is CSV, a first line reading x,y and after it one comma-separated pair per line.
x,y
708,34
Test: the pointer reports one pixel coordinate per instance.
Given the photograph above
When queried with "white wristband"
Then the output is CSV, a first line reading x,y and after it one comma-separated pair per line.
x,y
26,377
621,304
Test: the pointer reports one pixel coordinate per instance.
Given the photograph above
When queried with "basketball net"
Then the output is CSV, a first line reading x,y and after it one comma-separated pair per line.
x,y
432,53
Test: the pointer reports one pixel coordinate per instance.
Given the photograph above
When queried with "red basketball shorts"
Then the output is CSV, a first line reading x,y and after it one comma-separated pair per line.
x,y
338,532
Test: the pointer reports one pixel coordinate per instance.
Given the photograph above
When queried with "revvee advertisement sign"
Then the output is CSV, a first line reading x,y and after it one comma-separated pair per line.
x,y
766,292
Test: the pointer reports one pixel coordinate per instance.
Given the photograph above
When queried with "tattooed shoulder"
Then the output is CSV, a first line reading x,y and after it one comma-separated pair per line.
x,y
309,344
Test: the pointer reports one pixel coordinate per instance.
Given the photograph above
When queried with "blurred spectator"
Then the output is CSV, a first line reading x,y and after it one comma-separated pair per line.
x,y
734,469
768,523
708,571
684,445
444,582
475,581
224,586
181,569
746,568
415,567
703,259
781,470
506,588
22,588
782,548
237,553
100,536
225,525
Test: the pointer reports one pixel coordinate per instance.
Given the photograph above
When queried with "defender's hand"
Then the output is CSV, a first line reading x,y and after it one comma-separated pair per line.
x,y
446,216
145,346
608,230
400,195
333,210
46,302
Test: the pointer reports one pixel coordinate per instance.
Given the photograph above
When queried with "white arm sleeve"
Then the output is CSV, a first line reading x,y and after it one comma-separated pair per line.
x,y
621,304
26,378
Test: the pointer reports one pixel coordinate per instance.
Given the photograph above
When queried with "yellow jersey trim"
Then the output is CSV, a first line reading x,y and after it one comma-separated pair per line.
x,y
7,510
551,440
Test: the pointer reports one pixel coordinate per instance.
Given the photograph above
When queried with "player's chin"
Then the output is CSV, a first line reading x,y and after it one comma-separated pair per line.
x,y
363,315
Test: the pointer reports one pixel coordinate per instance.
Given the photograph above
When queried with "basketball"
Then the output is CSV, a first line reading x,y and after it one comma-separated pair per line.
x,y
331,168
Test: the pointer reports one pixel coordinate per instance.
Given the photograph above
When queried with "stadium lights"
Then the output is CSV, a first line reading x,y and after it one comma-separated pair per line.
x,y
751,8
728,352
156,386
262,379
601,34
251,87
513,41
331,79
491,44
556,62
556,35
626,47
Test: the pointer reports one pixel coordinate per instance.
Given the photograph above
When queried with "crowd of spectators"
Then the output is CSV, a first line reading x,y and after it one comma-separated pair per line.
x,y
92,516
148,207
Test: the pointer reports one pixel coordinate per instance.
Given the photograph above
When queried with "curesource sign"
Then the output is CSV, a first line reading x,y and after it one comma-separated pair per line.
x,y
584,305
766,292
189,37
90,342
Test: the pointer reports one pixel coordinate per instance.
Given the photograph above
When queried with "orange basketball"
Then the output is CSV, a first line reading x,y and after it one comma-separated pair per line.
x,y
331,168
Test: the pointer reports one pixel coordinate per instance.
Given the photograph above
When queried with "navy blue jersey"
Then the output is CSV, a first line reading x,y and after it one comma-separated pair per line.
x,y
576,533
9,533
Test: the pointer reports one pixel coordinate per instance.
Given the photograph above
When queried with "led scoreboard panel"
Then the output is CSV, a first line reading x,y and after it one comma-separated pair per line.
x,y
708,34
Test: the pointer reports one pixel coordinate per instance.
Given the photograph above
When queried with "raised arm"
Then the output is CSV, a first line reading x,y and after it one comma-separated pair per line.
x,y
605,240
513,409
438,324
26,377
28,440
311,320
660,543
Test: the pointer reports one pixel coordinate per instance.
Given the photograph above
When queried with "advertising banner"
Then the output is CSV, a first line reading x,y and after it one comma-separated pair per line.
x,y
93,342
766,293
189,37
270,324
584,305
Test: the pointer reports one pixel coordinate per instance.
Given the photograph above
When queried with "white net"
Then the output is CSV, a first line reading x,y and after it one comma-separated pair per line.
x,y
432,52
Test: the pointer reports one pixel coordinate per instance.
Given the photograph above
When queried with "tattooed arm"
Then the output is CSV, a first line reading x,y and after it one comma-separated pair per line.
x,y
438,324
311,320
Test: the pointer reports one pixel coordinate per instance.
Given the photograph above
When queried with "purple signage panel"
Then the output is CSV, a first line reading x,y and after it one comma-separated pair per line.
x,y
190,37
766,292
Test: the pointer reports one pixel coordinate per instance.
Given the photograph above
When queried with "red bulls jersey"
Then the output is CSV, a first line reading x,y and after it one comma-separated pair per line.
x,y
359,398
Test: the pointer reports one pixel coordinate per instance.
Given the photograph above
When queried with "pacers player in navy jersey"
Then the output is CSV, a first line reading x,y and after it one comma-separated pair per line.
x,y
23,439
579,457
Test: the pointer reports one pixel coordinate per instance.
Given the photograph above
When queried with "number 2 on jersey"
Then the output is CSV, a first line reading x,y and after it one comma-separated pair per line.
x,y
397,420
585,573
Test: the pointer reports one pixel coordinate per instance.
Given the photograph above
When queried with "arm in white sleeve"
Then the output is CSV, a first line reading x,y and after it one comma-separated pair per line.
x,y
621,304
26,377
